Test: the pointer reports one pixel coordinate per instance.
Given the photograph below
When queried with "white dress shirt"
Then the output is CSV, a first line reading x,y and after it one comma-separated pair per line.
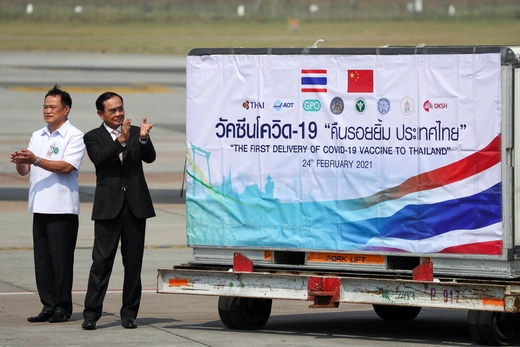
x,y
54,193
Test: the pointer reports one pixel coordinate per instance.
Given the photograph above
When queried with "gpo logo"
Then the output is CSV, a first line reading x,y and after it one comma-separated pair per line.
x,y
312,105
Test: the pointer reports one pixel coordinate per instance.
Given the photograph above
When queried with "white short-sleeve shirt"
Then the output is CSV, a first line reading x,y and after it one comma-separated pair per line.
x,y
54,193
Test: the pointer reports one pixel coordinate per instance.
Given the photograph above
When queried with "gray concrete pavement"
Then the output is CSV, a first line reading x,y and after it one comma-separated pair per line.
x,y
93,61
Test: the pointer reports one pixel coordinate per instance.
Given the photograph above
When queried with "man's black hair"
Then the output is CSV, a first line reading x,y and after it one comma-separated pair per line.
x,y
100,102
66,100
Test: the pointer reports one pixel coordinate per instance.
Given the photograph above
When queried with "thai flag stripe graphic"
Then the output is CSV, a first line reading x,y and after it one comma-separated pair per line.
x,y
314,80
489,242
471,165
468,224
386,208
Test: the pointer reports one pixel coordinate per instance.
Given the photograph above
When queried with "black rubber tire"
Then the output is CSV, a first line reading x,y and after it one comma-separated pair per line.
x,y
494,328
473,327
224,305
244,313
397,313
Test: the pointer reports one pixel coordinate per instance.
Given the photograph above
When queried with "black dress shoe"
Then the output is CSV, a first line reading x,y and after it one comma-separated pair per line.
x,y
128,323
41,317
59,316
89,324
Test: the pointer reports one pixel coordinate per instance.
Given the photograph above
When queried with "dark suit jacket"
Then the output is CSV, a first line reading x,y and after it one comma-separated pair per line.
x,y
115,181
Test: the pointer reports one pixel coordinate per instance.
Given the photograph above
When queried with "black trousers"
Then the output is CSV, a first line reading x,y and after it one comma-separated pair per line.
x,y
131,231
54,241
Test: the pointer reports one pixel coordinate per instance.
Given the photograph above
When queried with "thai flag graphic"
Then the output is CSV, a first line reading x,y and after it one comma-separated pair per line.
x,y
469,224
314,81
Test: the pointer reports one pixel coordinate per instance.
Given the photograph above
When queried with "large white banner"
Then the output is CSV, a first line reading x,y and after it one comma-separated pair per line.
x,y
345,152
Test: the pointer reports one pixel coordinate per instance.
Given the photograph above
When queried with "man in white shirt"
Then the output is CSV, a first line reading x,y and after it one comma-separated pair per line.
x,y
53,159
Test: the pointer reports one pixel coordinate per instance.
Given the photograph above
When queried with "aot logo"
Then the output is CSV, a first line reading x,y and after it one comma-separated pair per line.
x,y
310,105
278,105
428,105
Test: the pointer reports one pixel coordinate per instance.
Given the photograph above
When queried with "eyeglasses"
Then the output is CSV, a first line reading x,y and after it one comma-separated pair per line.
x,y
113,111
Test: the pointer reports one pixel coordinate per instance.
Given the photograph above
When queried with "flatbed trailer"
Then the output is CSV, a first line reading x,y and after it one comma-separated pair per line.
x,y
246,292
479,273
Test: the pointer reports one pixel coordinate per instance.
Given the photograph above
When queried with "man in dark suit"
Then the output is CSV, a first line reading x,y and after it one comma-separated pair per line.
x,y
122,203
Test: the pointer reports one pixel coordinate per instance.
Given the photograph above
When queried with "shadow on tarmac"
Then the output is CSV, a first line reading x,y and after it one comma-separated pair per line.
x,y
159,196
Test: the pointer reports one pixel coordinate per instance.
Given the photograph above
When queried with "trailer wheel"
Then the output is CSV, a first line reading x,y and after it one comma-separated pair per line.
x,y
397,313
224,304
244,313
494,328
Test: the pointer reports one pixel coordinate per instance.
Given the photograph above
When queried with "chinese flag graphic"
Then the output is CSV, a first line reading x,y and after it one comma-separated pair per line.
x,y
360,81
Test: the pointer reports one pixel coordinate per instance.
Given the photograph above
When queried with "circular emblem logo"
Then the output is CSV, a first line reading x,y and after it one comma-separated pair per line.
x,y
56,150
337,105
360,105
427,106
407,106
383,105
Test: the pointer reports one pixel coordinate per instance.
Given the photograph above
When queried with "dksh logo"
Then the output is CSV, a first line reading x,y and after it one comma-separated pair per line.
x,y
428,105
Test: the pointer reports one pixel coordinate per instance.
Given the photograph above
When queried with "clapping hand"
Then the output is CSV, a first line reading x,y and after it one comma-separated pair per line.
x,y
145,130
125,131
24,156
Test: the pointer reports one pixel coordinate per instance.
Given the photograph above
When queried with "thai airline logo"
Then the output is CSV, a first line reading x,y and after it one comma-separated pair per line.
x,y
314,80
252,104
